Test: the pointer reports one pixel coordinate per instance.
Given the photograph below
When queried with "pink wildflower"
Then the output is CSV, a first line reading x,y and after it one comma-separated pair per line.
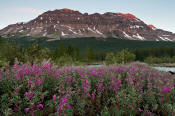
x,y
149,113
56,75
64,100
82,75
20,75
100,86
34,68
88,95
140,110
15,109
29,95
149,85
67,106
40,106
17,90
87,81
39,82
15,66
93,96
27,110
54,98
101,74
93,73
47,66
166,89
27,71
116,83
161,99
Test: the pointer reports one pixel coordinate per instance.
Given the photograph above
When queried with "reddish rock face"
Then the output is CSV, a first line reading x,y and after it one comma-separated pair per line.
x,y
66,9
67,23
151,26
128,15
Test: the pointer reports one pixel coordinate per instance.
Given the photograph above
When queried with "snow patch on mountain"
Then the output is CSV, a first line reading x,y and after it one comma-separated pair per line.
x,y
91,30
73,31
99,32
166,35
63,34
21,31
45,34
162,38
136,26
53,39
127,36
139,37
167,39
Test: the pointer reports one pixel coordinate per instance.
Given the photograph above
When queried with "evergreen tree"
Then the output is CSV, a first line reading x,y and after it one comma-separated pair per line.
x,y
1,41
62,49
90,56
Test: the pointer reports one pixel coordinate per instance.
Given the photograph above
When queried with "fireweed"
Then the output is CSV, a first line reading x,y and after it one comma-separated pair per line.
x,y
38,89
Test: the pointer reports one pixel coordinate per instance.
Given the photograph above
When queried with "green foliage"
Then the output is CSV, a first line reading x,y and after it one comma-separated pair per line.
x,y
64,60
121,57
9,52
125,56
110,58
1,40
3,62
90,56
143,53
84,51
63,55
98,44
32,52
156,60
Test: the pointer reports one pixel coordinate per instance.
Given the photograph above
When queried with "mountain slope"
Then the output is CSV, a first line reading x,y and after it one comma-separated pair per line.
x,y
67,23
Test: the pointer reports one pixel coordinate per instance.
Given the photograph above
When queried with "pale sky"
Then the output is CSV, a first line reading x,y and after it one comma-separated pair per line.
x,y
160,13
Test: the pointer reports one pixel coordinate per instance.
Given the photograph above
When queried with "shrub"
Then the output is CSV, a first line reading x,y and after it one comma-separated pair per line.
x,y
121,57
64,60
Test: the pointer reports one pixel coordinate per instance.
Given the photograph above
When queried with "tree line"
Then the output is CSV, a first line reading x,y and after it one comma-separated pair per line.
x,y
71,54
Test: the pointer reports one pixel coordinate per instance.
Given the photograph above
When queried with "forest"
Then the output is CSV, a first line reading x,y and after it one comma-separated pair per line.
x,y
74,52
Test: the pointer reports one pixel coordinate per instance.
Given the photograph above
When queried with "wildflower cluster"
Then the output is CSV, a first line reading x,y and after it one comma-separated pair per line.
x,y
44,89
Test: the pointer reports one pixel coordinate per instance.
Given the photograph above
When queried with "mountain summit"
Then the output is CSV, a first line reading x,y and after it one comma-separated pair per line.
x,y
67,23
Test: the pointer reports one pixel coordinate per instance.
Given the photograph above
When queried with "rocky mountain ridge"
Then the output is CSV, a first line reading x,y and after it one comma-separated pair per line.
x,y
67,23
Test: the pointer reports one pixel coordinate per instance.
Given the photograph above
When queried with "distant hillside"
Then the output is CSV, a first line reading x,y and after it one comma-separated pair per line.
x,y
98,44
67,23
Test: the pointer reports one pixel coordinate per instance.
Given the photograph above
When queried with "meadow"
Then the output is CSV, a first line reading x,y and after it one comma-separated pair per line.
x,y
44,89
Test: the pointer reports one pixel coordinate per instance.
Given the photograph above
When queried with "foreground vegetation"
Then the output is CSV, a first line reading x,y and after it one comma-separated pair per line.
x,y
33,86
122,90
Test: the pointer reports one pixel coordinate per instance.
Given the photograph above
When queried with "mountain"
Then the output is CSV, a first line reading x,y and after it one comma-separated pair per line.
x,y
67,23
